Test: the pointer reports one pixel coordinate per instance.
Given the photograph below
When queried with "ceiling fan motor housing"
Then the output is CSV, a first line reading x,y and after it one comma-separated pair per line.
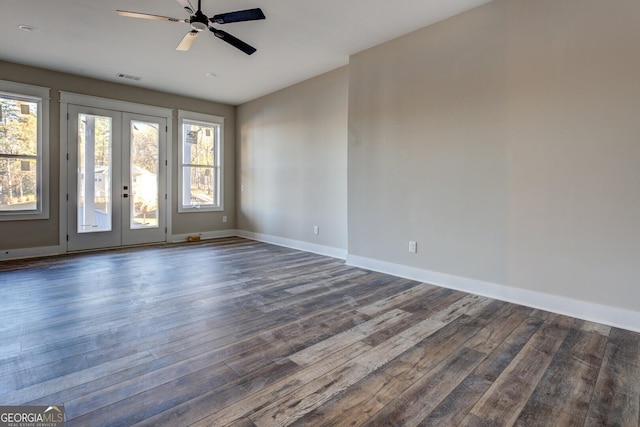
x,y
199,22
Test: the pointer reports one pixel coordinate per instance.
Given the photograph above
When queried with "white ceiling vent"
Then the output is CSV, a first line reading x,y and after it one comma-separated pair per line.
x,y
128,77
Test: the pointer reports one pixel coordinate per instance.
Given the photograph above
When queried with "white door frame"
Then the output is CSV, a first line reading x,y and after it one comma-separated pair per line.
x,y
70,98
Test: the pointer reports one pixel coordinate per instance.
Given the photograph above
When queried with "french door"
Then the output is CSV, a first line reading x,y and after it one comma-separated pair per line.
x,y
116,178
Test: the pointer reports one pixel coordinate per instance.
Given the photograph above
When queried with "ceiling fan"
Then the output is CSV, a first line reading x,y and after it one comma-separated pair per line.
x,y
200,22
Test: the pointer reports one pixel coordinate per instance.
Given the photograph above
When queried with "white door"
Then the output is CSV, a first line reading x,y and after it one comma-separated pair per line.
x,y
144,179
116,179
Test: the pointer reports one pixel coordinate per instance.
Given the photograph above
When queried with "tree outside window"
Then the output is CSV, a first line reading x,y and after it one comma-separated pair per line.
x,y
200,162
21,154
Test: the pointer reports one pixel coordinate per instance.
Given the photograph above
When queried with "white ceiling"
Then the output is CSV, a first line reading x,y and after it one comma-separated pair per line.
x,y
299,39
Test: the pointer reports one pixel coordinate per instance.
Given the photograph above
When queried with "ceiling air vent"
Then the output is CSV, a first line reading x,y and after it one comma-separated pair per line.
x,y
128,77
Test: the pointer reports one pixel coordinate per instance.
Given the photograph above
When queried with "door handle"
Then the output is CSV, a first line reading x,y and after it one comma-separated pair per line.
x,y
125,195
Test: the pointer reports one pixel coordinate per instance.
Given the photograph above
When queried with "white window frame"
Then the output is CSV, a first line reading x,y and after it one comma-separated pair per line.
x,y
204,119
41,96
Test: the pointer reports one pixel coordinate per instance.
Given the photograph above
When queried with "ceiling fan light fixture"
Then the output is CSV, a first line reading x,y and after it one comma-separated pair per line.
x,y
28,28
199,26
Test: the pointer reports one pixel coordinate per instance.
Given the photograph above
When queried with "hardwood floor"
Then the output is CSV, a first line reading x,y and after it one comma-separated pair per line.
x,y
234,332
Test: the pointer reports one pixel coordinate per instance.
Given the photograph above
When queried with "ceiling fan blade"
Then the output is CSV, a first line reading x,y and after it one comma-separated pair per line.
x,y
238,16
186,6
233,41
187,40
149,16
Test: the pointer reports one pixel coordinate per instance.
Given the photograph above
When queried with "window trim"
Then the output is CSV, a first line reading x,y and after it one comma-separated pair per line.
x,y
204,119
40,95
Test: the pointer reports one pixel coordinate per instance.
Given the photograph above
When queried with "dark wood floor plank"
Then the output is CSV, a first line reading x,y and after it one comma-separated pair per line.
x,y
84,381
215,399
441,371
438,300
518,328
334,277
504,400
616,400
101,342
504,320
563,395
283,388
298,334
309,295
244,422
337,342
433,343
241,333
150,379
313,394
18,377
416,402
135,407
394,301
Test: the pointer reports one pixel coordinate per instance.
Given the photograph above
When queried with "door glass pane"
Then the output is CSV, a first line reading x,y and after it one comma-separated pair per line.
x,y
94,173
145,146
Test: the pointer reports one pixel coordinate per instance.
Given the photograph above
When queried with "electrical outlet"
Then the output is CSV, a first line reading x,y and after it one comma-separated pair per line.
x,y
316,229
224,218
413,246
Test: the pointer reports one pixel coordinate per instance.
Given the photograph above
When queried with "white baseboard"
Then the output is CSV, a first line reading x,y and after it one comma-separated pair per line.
x,y
205,235
294,244
612,316
9,254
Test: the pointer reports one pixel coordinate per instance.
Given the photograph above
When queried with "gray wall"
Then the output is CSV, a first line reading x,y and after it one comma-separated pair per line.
x,y
427,158
292,162
42,233
506,141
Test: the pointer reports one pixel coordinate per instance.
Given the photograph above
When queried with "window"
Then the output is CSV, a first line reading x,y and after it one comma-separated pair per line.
x,y
200,175
24,149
